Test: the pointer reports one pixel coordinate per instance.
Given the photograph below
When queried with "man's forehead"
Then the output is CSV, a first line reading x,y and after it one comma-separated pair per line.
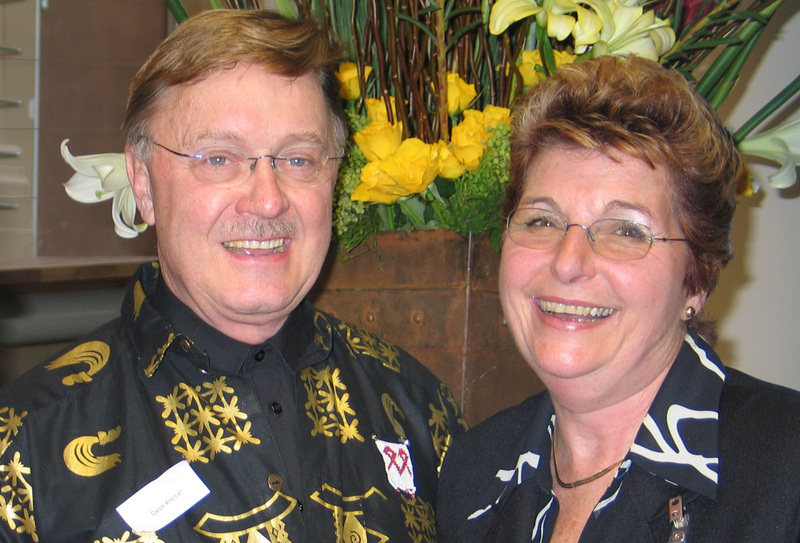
x,y
206,111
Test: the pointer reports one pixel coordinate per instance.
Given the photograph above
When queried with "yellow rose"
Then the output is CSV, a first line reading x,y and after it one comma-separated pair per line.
x,y
376,109
449,165
460,94
468,139
409,171
417,164
379,139
494,115
377,185
529,60
347,74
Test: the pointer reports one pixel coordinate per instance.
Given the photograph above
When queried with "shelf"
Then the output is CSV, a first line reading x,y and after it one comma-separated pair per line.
x,y
76,272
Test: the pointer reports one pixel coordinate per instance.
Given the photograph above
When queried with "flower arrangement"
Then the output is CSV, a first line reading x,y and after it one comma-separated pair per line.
x,y
427,88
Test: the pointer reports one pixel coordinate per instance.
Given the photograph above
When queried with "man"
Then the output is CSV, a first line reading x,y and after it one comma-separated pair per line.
x,y
220,406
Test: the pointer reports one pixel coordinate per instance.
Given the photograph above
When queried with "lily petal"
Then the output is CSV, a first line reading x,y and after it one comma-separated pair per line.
x,y
560,26
786,175
86,189
589,21
583,39
89,164
780,144
643,47
663,38
123,212
625,18
506,12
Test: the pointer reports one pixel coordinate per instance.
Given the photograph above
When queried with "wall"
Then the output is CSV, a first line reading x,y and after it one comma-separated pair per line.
x,y
90,51
758,296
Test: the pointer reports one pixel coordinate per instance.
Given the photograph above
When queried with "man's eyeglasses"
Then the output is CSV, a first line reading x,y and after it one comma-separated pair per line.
x,y
305,167
616,239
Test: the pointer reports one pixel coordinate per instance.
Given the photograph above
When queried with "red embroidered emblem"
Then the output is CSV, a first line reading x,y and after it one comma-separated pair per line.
x,y
398,464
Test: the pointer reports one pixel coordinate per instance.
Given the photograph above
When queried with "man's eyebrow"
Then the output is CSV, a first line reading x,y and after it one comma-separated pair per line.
x,y
230,138
204,138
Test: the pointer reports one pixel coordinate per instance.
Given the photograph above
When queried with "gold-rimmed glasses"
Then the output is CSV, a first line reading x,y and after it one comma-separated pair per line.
x,y
616,239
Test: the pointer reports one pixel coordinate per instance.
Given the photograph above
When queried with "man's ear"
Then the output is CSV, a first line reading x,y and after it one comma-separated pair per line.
x,y
139,177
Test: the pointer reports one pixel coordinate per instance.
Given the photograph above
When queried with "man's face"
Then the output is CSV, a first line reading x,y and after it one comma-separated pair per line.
x,y
241,257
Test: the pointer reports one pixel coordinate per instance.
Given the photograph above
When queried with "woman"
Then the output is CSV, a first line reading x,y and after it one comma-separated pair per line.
x,y
621,198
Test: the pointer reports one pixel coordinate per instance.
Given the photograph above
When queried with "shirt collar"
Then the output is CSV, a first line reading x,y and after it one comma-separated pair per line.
x,y
678,440
162,322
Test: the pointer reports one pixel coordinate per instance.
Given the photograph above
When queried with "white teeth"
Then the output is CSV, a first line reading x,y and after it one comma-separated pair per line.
x,y
277,245
595,313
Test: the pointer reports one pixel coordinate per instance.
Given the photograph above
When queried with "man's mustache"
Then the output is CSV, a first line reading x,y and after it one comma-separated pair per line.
x,y
259,228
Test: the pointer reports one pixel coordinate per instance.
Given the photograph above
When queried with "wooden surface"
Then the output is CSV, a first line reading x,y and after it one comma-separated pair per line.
x,y
434,293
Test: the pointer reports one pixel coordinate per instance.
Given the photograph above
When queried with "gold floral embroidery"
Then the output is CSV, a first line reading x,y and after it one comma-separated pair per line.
x,y
359,342
139,295
92,353
80,459
155,362
438,423
16,497
10,423
149,537
253,524
347,512
394,414
328,404
420,519
362,342
323,330
138,299
206,420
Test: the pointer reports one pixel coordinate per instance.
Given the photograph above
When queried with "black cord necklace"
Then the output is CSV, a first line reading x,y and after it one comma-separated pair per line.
x,y
579,482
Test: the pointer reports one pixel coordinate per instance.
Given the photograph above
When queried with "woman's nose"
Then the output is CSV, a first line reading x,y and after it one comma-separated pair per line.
x,y
574,256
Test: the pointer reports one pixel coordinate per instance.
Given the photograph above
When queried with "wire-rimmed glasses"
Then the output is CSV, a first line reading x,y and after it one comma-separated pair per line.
x,y
616,239
303,166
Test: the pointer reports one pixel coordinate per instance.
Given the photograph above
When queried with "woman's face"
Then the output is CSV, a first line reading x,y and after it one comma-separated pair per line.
x,y
619,354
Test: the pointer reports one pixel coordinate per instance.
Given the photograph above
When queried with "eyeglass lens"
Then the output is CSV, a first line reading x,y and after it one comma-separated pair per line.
x,y
616,239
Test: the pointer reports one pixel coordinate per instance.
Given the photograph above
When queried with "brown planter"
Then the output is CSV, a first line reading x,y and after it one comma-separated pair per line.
x,y
434,293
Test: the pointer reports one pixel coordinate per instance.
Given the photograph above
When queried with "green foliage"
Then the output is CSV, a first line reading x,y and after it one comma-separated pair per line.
x,y
353,222
475,205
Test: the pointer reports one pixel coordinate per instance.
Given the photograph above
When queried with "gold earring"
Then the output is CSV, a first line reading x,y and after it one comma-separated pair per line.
x,y
690,313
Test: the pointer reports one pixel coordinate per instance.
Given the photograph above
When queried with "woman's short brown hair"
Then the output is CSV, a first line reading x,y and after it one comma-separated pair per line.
x,y
638,107
220,39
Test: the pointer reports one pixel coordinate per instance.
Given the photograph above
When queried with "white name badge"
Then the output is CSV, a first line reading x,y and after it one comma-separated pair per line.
x,y
163,500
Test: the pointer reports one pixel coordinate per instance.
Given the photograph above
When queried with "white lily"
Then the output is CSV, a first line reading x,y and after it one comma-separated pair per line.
x,y
780,144
633,30
590,22
98,178
585,21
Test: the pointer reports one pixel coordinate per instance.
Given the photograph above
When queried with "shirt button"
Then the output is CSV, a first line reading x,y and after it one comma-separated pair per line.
x,y
276,408
186,345
259,356
275,482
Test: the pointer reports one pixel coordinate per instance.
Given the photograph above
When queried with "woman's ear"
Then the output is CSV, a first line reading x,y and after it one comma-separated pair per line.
x,y
139,177
694,304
